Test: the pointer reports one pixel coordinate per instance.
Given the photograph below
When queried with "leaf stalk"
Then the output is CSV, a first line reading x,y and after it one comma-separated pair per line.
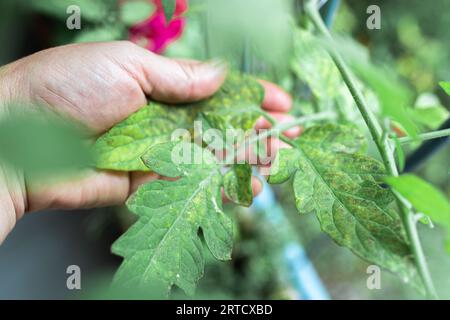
x,y
426,136
280,128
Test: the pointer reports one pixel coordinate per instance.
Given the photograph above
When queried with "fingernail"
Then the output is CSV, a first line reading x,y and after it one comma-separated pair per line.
x,y
219,66
293,132
262,123
257,183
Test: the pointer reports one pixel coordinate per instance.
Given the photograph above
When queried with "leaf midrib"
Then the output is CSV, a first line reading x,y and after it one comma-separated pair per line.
x,y
339,200
182,212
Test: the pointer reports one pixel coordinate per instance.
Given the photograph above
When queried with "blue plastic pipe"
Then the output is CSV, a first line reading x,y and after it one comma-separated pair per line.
x,y
297,267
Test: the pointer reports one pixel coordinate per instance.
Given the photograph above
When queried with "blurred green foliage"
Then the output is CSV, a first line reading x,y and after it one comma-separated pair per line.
x,y
41,143
425,198
413,39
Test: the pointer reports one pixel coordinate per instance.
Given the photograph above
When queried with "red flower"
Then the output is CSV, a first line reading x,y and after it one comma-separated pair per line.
x,y
154,33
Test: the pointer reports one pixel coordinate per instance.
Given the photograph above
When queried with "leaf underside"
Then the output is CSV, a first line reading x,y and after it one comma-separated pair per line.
x,y
164,245
235,105
238,184
342,186
163,248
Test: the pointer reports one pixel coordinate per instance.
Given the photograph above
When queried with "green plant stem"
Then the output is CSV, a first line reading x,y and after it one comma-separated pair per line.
x,y
425,136
278,129
283,138
384,148
281,127
273,122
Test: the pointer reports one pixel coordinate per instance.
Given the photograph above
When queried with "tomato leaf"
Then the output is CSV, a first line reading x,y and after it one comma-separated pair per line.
x,y
235,105
163,246
121,148
425,198
238,184
343,189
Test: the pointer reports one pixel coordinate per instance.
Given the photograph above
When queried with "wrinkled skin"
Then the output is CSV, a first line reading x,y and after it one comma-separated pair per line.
x,y
98,85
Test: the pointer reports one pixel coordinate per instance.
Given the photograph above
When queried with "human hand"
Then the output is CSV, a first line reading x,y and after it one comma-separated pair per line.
x,y
98,85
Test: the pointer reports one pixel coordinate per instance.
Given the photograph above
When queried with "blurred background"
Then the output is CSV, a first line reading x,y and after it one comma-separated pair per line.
x,y
278,254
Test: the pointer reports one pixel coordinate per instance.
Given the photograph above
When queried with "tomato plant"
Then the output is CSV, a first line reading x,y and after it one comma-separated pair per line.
x,y
362,203
360,195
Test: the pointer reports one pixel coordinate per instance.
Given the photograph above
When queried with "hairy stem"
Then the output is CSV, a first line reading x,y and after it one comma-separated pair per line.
x,y
426,136
384,148
286,140
278,129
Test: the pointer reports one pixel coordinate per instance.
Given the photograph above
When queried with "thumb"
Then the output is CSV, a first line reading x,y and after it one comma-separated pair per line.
x,y
174,81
